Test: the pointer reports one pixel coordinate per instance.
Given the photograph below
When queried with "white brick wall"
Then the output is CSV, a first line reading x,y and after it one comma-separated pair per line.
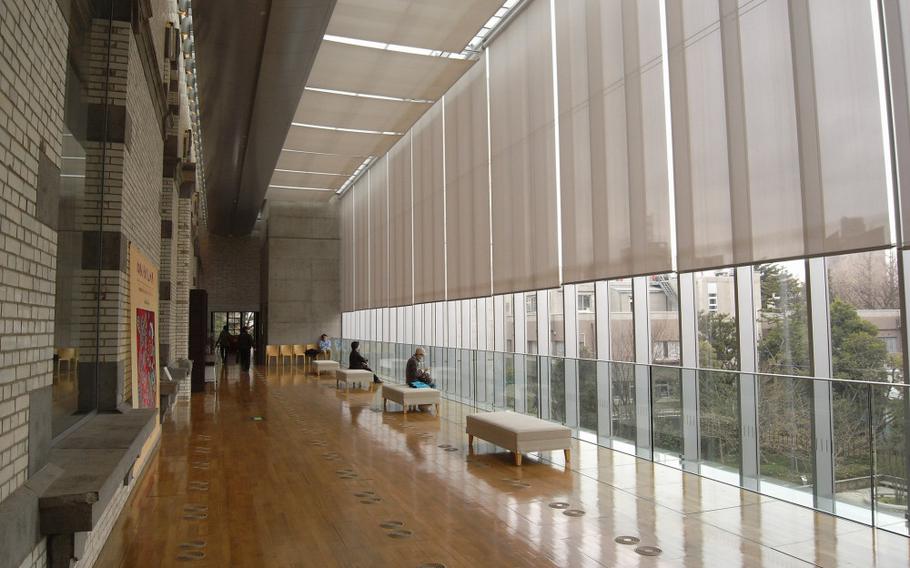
x,y
167,308
184,266
140,205
37,558
33,37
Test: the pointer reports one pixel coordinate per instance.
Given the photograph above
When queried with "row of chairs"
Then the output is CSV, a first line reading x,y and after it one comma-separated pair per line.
x,y
293,352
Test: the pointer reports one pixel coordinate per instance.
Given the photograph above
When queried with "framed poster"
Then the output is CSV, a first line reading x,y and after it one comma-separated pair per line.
x,y
143,329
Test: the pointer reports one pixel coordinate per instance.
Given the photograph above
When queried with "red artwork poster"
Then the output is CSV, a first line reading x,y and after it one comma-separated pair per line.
x,y
146,360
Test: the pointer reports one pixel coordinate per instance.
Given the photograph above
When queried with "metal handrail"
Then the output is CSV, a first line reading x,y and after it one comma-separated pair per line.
x,y
673,367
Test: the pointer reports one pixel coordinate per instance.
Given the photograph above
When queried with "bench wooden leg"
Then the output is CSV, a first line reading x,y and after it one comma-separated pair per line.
x,y
405,407
568,453
384,404
470,440
517,458
437,409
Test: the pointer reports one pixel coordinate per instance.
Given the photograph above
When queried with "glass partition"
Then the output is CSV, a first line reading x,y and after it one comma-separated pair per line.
x,y
785,438
83,262
597,400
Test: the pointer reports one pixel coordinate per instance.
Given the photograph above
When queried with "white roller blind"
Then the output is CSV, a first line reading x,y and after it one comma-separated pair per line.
x,y
401,291
429,207
523,153
897,29
361,195
777,130
613,140
347,253
379,233
467,186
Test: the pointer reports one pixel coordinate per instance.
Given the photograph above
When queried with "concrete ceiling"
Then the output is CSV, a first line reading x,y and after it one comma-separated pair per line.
x,y
253,60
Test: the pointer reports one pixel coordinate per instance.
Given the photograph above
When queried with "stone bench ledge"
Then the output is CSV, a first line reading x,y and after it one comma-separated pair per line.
x,y
95,459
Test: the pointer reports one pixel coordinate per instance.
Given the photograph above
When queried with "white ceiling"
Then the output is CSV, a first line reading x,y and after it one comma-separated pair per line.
x,y
444,25
358,112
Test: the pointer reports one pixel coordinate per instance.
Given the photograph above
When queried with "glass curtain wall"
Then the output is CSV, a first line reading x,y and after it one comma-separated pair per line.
x,y
666,379
866,347
751,346
82,258
866,340
717,346
785,405
586,336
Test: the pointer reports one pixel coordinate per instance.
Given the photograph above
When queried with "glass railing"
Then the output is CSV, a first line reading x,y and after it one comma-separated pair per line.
x,y
838,446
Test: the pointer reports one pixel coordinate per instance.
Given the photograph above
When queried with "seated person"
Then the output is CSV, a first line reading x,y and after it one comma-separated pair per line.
x,y
324,344
413,373
358,361
322,347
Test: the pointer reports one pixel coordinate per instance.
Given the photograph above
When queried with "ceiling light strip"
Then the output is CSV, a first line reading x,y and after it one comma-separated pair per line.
x,y
342,129
356,175
188,49
292,150
368,95
300,188
505,14
306,172
394,47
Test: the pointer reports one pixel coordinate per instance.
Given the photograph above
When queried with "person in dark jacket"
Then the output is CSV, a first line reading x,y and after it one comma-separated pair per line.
x,y
244,345
358,361
224,343
413,373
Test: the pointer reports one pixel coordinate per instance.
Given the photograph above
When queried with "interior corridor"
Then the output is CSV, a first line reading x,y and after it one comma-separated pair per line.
x,y
325,478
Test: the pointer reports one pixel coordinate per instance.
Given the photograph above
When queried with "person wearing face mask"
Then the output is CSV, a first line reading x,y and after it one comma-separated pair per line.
x,y
414,374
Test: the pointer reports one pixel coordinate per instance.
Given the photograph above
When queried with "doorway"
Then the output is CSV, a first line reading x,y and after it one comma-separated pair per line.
x,y
234,321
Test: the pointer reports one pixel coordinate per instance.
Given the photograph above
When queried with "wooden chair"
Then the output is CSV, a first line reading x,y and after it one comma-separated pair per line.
x,y
284,352
68,354
300,351
271,351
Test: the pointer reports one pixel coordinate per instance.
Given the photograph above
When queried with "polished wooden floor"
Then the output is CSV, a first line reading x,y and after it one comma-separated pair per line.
x,y
327,479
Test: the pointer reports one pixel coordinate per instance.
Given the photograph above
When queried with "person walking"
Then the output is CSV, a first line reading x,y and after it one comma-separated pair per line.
x,y
223,343
244,345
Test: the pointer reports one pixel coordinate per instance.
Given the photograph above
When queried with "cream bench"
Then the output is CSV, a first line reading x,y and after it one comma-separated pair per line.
x,y
351,377
518,433
325,366
407,396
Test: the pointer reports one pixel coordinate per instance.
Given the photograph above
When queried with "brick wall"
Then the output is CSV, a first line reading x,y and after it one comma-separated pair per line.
x,y
33,39
37,558
303,293
141,199
183,265
167,275
230,271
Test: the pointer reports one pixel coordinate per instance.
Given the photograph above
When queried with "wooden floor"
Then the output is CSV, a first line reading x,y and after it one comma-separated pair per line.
x,y
326,479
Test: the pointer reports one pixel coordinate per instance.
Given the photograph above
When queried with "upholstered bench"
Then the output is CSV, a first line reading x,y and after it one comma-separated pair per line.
x,y
325,366
518,433
351,377
407,396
